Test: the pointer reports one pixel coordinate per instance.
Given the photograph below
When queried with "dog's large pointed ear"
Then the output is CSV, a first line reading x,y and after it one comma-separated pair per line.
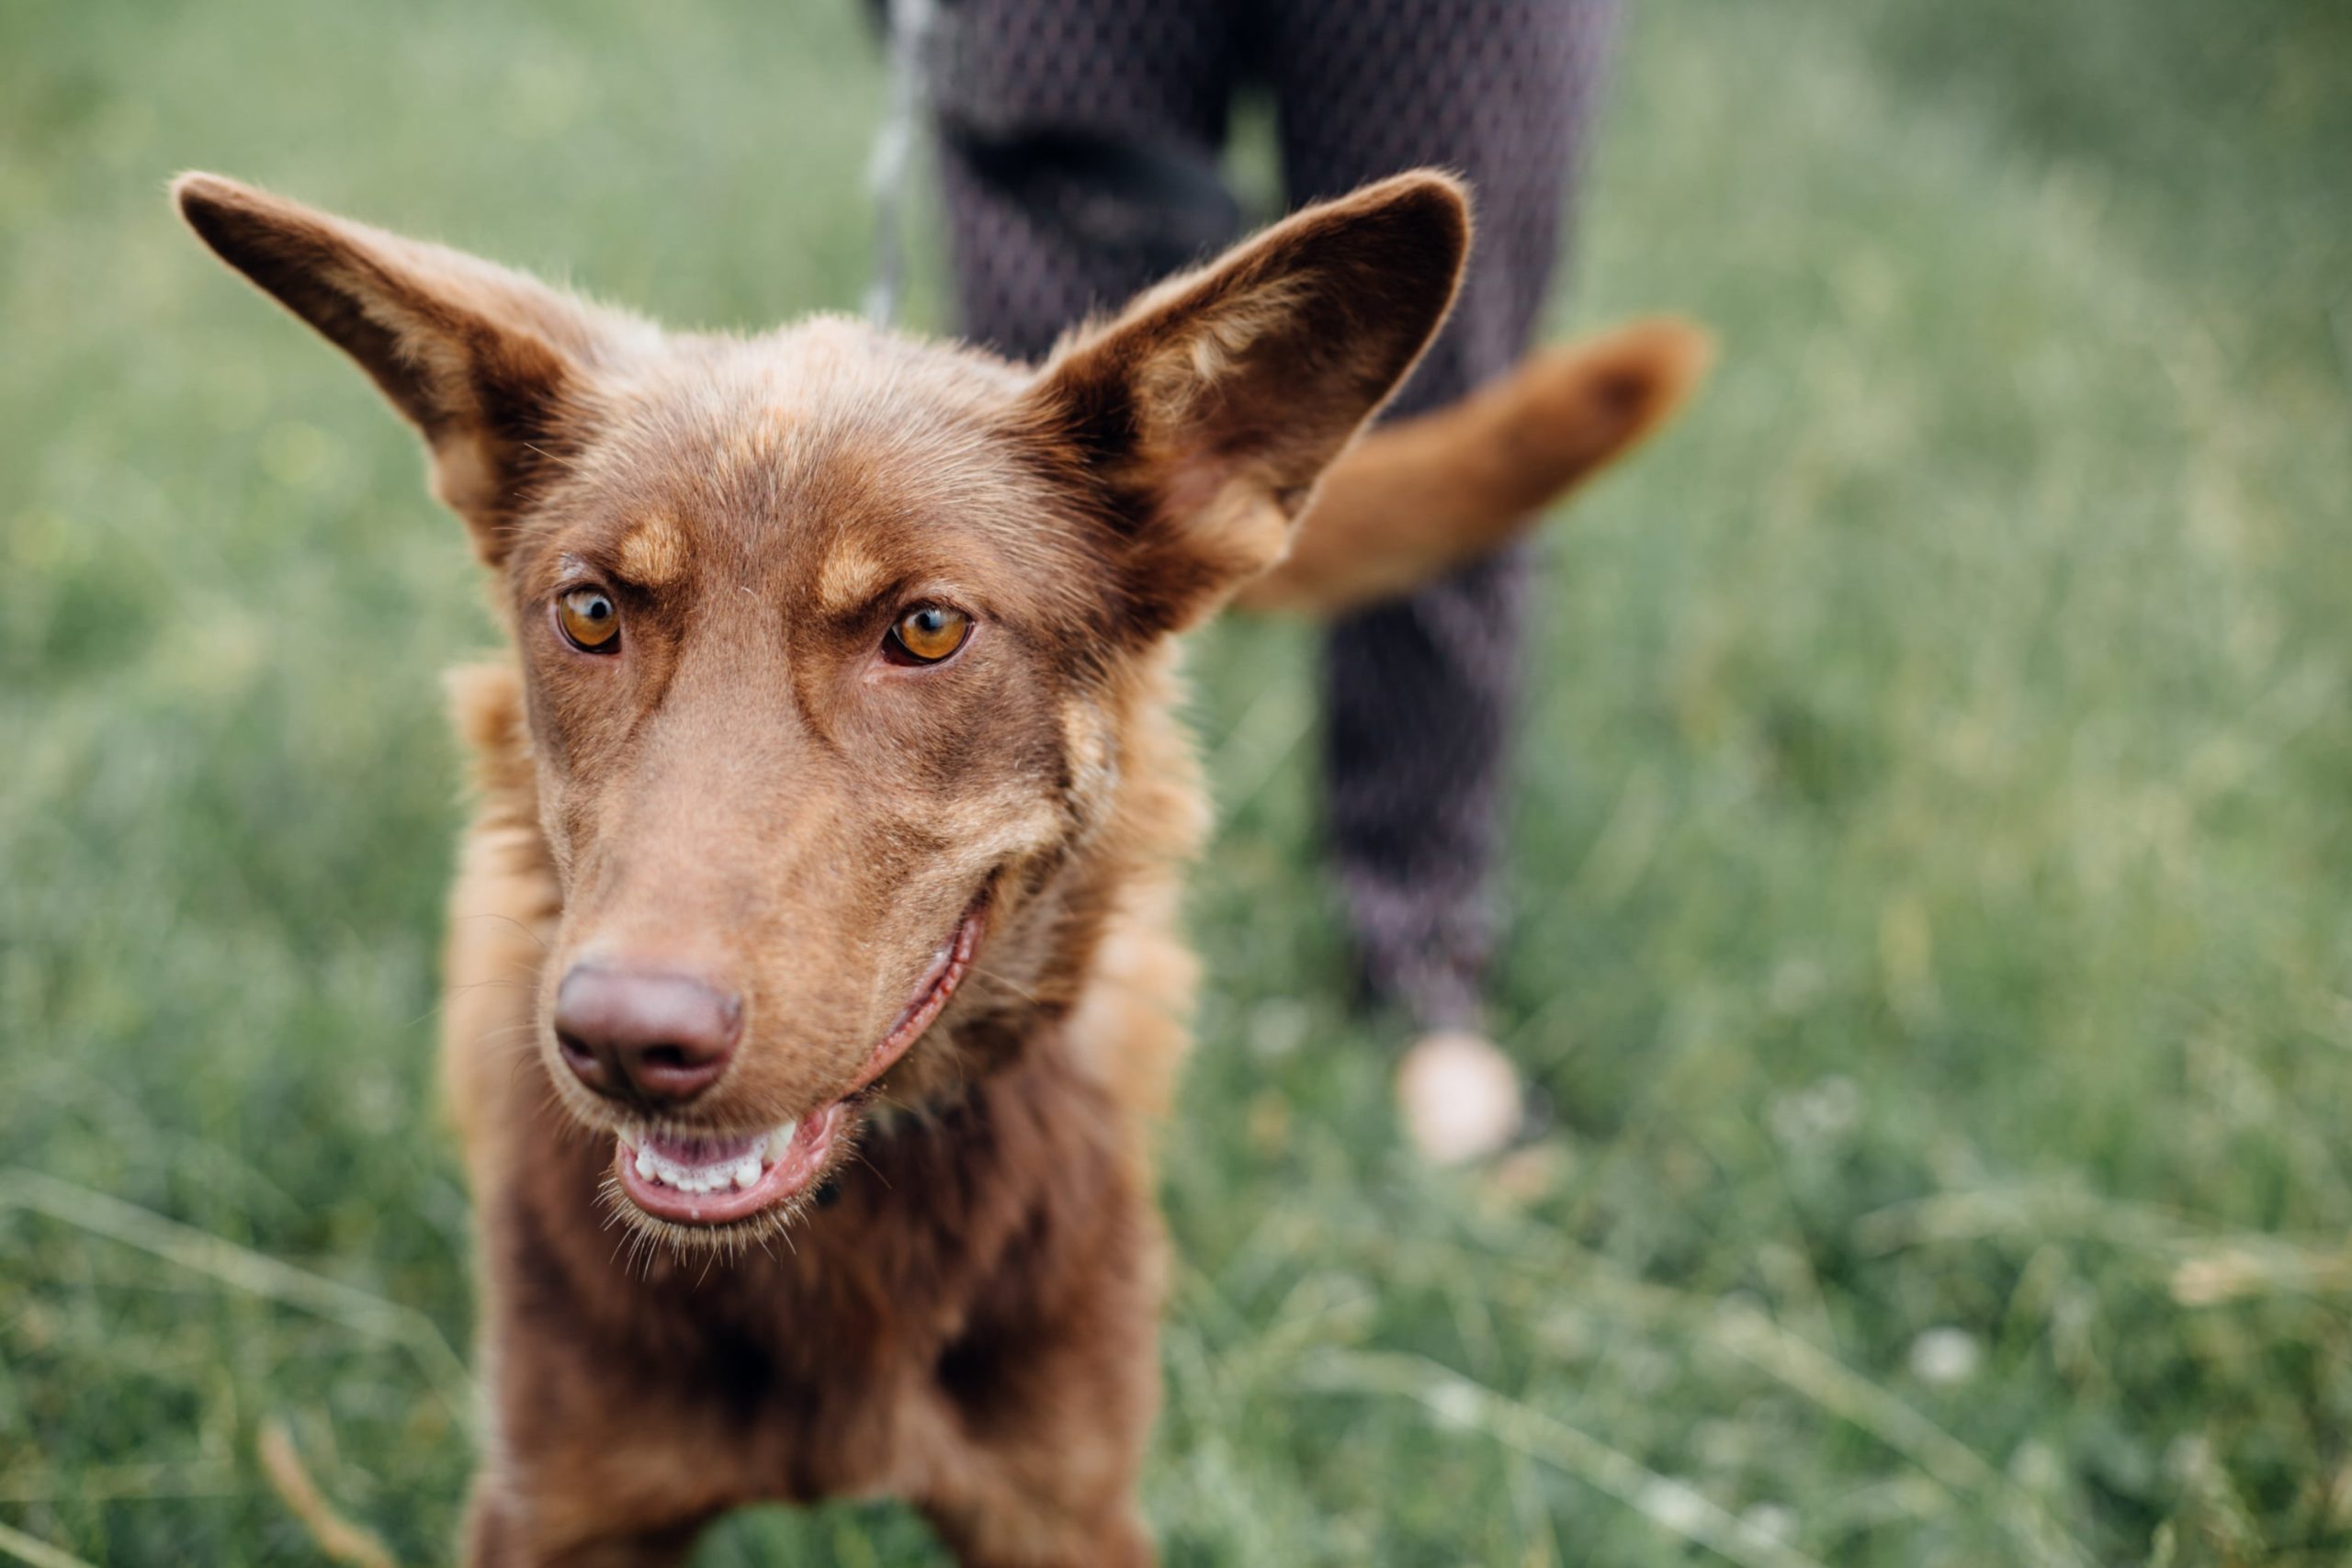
x,y
1204,413
491,366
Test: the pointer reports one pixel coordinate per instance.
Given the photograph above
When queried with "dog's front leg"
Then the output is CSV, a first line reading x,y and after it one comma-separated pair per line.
x,y
503,1531
597,1456
1047,1417
1051,1484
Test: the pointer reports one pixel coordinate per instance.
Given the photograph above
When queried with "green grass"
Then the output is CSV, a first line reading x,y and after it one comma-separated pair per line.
x,y
1933,882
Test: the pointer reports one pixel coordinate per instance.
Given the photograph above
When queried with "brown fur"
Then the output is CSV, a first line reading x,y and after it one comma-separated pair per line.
x,y
962,1313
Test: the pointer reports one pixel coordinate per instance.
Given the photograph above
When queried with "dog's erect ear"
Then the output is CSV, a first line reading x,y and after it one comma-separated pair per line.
x,y
490,366
1206,411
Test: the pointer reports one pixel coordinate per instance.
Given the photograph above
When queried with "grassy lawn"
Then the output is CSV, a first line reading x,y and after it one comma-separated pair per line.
x,y
1932,881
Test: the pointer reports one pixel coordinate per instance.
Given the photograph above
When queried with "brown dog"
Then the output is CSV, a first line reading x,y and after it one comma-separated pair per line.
x,y
834,801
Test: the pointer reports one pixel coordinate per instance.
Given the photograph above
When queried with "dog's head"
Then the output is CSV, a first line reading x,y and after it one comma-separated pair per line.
x,y
827,635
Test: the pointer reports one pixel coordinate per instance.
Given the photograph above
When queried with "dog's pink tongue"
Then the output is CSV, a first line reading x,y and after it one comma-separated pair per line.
x,y
701,1151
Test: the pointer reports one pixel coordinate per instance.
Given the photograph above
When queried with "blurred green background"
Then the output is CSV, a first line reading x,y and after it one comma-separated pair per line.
x,y
1932,881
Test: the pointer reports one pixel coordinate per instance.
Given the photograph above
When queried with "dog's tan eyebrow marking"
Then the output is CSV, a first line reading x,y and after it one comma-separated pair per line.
x,y
653,553
850,578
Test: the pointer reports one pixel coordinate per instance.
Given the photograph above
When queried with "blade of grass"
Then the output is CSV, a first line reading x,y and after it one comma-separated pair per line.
x,y
1672,1505
117,1481
243,1269
1805,1369
33,1550
335,1536
2208,1266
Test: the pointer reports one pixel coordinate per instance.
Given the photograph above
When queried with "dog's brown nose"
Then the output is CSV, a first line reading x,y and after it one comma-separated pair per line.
x,y
655,1038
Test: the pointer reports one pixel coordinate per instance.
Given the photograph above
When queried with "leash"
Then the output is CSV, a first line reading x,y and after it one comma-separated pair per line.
x,y
910,23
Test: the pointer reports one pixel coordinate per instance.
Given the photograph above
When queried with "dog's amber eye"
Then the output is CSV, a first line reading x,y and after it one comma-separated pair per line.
x,y
589,620
929,633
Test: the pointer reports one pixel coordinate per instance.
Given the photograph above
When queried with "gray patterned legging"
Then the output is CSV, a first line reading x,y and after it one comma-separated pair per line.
x,y
1079,145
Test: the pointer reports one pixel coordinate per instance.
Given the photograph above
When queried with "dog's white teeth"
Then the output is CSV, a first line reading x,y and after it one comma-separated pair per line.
x,y
740,1173
666,1172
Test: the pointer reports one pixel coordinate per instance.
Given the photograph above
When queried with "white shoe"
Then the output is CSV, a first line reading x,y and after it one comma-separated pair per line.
x,y
1459,1096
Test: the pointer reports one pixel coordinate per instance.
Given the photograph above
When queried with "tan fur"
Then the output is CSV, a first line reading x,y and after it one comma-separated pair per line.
x,y
849,576
653,554
748,785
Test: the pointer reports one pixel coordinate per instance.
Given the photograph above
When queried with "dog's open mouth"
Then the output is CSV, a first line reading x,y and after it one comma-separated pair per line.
x,y
714,1180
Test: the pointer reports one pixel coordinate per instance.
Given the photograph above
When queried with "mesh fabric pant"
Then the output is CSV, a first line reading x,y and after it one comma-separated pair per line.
x,y
1079,148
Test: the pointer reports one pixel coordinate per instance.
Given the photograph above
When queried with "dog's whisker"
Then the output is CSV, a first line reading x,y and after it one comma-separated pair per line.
x,y
509,920
1009,983
495,983
875,1170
